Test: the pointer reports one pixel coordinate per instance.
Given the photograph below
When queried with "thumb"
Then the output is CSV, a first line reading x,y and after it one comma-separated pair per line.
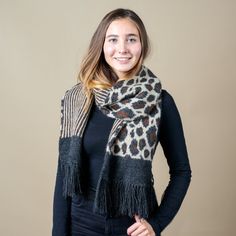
x,y
137,218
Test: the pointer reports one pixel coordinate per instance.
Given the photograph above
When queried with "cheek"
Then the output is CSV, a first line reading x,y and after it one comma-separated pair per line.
x,y
138,50
108,50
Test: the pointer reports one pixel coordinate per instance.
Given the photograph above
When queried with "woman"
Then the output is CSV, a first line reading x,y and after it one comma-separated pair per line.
x,y
112,121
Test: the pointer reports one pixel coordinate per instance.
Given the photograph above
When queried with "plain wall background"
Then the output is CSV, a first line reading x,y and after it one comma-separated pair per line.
x,y
194,55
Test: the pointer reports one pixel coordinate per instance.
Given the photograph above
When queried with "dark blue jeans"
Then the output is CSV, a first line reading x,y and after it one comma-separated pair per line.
x,y
86,223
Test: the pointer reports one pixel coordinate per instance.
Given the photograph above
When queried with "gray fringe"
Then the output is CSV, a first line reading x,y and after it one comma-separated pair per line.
x,y
70,162
71,180
121,198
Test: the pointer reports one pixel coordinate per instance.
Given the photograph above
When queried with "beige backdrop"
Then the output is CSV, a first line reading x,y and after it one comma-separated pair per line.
x,y
193,53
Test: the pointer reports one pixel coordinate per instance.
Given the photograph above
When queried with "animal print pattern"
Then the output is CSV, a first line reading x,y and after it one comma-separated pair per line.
x,y
135,104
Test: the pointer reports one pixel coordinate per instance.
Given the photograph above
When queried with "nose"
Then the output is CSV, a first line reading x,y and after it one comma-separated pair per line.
x,y
122,48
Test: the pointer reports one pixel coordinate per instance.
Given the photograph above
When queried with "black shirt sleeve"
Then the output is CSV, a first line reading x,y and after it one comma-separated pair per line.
x,y
172,140
61,208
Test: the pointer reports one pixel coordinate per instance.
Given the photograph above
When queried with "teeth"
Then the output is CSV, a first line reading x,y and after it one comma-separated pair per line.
x,y
122,59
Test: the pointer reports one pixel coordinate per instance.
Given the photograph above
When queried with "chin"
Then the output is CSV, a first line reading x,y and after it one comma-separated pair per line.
x,y
125,69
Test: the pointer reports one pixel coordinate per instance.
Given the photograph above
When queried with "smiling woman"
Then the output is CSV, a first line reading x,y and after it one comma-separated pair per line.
x,y
112,121
122,47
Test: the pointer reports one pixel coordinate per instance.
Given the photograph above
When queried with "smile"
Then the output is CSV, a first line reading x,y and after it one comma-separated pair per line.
x,y
122,58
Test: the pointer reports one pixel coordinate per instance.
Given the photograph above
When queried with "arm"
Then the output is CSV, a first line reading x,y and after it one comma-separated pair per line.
x,y
61,205
173,143
61,209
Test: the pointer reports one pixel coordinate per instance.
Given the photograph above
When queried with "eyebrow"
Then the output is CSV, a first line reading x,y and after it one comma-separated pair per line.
x,y
116,36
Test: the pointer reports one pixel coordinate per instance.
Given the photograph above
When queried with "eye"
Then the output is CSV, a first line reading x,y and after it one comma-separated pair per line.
x,y
132,40
112,40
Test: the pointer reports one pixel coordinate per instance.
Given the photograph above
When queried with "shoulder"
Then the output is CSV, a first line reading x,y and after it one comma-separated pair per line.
x,y
73,91
169,109
167,99
168,105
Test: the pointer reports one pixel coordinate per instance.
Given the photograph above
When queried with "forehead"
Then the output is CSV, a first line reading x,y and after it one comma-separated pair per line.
x,y
122,26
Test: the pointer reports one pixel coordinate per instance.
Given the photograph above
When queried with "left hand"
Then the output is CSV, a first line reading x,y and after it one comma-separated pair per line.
x,y
140,228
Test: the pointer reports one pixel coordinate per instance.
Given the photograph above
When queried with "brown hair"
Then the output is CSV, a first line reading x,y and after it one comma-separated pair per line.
x,y
95,72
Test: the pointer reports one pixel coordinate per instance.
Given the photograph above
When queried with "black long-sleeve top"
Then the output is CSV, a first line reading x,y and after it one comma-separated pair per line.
x,y
172,140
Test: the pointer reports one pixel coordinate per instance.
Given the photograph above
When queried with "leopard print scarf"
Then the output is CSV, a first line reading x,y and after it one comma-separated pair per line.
x,y
125,185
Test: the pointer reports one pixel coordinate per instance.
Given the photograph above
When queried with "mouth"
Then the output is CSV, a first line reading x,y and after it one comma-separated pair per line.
x,y
122,59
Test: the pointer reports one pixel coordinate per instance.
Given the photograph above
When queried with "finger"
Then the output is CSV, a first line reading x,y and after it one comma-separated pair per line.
x,y
144,233
139,230
137,218
133,227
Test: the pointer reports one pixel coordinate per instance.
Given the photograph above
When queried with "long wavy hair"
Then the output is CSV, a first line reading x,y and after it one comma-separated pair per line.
x,y
95,72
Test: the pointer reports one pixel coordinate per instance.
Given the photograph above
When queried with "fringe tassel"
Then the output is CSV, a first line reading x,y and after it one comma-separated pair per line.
x,y
71,183
70,162
122,198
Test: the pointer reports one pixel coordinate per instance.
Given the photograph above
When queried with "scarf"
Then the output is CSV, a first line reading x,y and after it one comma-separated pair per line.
x,y
125,185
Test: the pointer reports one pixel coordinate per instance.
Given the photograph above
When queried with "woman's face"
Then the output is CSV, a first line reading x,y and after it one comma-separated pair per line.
x,y
122,47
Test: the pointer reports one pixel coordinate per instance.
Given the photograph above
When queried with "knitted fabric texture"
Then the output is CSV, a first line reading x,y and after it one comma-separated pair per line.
x,y
125,185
